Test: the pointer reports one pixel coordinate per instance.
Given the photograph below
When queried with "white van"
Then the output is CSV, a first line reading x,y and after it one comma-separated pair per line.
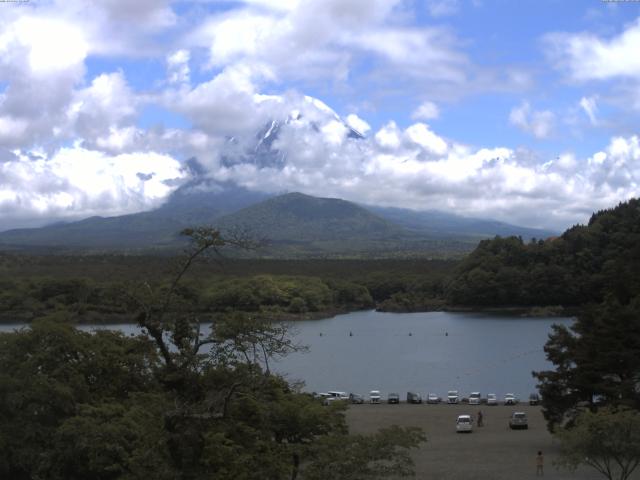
x,y
474,398
464,423
339,395
374,396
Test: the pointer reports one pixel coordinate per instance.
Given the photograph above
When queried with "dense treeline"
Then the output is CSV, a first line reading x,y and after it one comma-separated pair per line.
x,y
596,359
572,270
90,289
575,269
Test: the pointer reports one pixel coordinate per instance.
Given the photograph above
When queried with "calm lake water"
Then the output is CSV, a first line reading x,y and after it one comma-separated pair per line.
x,y
422,352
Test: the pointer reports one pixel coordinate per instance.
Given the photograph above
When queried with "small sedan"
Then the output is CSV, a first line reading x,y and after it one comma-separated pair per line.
x,y
464,423
393,398
433,398
518,420
492,399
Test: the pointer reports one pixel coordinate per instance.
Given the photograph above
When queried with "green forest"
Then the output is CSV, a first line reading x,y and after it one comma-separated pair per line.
x,y
558,275
75,405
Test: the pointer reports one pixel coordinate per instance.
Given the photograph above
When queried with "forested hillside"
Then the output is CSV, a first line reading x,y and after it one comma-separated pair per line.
x,y
577,268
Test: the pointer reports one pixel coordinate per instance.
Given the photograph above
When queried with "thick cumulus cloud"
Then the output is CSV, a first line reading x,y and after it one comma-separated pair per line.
x,y
47,104
415,168
219,68
77,183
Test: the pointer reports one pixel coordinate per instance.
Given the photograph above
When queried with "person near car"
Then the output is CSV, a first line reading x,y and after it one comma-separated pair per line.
x,y
539,465
480,418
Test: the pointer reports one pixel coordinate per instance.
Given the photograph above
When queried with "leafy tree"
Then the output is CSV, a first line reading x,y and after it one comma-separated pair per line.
x,y
607,440
358,457
596,362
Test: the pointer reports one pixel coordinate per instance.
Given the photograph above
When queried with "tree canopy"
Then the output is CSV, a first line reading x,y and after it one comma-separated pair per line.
x,y
172,403
608,441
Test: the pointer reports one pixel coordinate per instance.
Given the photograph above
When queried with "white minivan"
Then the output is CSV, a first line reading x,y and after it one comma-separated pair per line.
x,y
464,423
474,398
374,396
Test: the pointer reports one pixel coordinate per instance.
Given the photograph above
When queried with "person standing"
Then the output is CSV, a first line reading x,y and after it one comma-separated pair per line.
x,y
539,465
480,418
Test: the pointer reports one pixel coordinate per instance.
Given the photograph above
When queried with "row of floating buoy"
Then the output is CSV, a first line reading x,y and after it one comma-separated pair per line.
x,y
446,334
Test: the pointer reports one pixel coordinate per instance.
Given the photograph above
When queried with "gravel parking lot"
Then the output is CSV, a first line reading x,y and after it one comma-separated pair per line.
x,y
491,452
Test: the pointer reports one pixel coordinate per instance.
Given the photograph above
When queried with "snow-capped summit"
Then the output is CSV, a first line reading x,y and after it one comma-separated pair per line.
x,y
306,115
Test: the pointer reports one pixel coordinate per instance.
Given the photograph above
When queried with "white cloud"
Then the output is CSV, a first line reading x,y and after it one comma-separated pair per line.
x,y
76,182
388,136
540,124
586,56
426,111
323,39
178,66
358,124
420,134
590,107
416,168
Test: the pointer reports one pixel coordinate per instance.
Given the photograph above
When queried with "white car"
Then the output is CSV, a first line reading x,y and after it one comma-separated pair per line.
x,y
492,399
433,398
510,399
464,423
474,398
452,396
374,396
339,395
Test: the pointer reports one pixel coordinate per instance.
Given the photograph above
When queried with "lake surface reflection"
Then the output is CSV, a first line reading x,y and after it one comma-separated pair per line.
x,y
422,352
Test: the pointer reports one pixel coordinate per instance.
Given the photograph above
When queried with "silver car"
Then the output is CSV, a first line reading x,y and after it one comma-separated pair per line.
x,y
518,420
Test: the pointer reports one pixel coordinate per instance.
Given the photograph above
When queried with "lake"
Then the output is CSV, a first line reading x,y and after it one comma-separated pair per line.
x,y
422,352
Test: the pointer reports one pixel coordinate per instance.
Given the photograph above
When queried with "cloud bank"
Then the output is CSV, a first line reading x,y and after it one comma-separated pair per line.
x,y
72,142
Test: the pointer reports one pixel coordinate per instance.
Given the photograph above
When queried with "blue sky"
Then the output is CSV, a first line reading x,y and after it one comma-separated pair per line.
x,y
525,111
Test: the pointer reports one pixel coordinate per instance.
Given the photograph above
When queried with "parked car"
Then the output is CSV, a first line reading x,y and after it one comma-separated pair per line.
x,y
518,420
414,397
510,399
474,398
393,398
452,396
374,396
433,398
534,399
339,395
329,400
356,398
492,399
464,423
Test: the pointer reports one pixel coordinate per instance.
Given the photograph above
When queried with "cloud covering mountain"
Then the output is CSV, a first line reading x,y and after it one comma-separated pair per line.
x,y
101,103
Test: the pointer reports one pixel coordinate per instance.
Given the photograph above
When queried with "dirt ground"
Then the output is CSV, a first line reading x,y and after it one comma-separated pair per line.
x,y
491,452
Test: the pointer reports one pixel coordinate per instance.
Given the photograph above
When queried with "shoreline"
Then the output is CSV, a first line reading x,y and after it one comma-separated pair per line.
x,y
21,318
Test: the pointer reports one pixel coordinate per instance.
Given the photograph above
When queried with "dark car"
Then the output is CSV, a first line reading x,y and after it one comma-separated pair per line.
x,y
534,399
414,397
356,398
393,398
